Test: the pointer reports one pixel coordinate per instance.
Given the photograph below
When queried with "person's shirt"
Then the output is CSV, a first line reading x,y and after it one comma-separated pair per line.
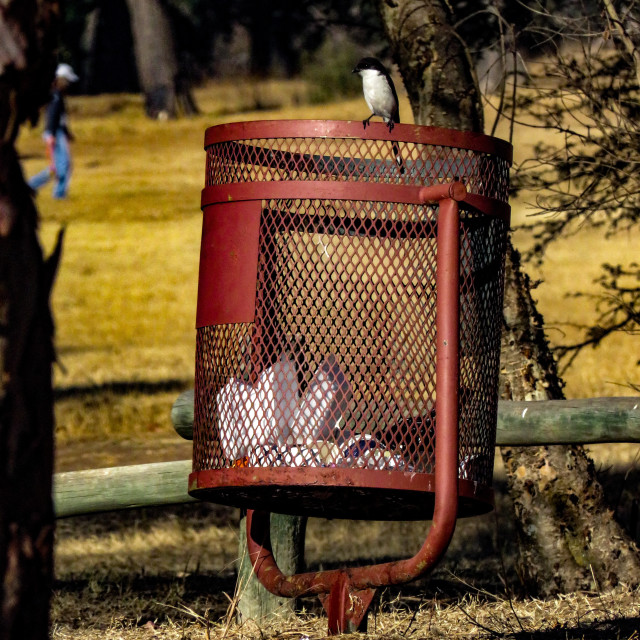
x,y
56,119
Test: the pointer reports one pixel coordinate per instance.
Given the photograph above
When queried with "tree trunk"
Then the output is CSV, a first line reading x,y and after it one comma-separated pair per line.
x,y
565,528
109,64
260,28
567,533
28,37
434,64
167,93
254,601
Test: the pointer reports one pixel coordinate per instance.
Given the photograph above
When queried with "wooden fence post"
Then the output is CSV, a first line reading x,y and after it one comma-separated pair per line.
x,y
254,601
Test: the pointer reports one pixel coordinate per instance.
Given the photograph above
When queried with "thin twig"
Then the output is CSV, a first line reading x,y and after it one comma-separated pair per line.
x,y
495,634
624,36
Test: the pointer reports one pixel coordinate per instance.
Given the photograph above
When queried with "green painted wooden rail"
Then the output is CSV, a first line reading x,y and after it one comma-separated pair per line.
x,y
586,421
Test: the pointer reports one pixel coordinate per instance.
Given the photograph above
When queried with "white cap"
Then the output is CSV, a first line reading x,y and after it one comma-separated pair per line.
x,y
66,71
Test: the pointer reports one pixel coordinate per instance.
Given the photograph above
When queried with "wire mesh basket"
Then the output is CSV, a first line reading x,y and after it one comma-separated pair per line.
x,y
316,324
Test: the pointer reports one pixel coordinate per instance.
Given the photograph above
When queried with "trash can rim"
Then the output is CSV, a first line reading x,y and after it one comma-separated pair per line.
x,y
285,189
353,129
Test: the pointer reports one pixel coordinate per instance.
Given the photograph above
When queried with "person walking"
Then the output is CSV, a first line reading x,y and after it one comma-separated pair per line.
x,y
57,136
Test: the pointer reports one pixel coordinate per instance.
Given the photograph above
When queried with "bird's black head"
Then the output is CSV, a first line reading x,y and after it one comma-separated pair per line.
x,y
370,63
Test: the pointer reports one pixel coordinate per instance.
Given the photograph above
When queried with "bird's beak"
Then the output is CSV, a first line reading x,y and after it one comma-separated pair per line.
x,y
354,70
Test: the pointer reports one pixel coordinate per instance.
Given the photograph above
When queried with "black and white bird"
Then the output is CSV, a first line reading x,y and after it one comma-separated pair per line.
x,y
380,96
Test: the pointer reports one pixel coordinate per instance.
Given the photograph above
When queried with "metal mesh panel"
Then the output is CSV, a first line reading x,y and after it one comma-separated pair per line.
x,y
341,159
364,296
338,368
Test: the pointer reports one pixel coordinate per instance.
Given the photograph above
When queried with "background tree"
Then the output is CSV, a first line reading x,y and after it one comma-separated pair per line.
x,y
163,47
28,39
588,91
98,40
567,534
166,91
134,45
283,32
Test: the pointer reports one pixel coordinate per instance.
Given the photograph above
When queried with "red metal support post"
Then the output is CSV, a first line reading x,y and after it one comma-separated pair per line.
x,y
350,591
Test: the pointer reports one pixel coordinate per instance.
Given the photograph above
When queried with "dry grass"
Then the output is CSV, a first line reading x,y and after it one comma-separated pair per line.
x,y
125,299
578,616
571,266
171,574
125,309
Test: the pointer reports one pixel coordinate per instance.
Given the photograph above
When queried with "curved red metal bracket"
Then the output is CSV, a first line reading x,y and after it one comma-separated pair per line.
x,y
347,593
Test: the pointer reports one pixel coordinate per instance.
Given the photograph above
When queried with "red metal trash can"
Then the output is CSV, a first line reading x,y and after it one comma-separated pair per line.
x,y
317,310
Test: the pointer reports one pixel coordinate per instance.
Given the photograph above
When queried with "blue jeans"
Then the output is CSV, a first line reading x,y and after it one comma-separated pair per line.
x,y
62,163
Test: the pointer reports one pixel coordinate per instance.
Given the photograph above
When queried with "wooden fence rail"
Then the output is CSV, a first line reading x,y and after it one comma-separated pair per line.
x,y
588,421
140,485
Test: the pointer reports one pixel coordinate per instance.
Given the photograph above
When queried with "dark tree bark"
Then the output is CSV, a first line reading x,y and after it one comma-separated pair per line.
x,y
566,530
109,64
434,64
567,533
260,27
28,37
167,93
275,30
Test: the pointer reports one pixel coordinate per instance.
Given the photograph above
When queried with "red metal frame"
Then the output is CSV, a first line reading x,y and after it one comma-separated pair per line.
x,y
350,591
380,192
410,494
228,263
258,129
231,178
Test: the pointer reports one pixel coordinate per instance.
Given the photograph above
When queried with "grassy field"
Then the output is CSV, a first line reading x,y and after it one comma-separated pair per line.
x,y
125,298
125,310
171,574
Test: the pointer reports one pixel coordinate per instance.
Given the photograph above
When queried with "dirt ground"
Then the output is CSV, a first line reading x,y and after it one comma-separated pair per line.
x,y
170,572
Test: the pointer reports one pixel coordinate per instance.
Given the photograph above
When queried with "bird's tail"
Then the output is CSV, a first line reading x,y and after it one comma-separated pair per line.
x,y
396,153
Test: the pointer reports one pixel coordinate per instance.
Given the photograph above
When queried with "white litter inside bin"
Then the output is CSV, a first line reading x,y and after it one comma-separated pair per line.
x,y
253,416
257,421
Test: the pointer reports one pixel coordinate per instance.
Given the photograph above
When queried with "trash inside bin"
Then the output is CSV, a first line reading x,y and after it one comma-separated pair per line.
x,y
316,327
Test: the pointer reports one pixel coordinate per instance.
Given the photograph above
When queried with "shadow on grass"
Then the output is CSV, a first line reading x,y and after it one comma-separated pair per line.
x,y
123,388
614,629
